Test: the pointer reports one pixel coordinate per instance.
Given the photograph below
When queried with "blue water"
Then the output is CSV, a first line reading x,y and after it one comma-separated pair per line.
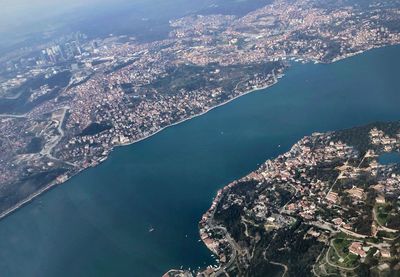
x,y
389,158
97,223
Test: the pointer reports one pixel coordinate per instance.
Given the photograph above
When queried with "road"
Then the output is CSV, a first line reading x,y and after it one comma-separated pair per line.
x,y
340,175
14,115
46,151
49,147
282,265
335,265
290,200
380,225
235,248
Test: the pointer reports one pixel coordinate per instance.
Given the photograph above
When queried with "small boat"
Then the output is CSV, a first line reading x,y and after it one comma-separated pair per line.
x,y
151,229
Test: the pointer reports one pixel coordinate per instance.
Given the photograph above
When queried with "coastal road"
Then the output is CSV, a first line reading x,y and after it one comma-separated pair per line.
x,y
14,115
233,245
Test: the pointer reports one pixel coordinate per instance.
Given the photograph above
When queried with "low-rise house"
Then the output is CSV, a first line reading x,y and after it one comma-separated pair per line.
x,y
380,199
332,197
385,253
356,192
356,249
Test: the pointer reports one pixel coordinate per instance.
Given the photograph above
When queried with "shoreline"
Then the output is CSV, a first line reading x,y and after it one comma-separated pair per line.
x,y
207,215
53,184
36,194
200,114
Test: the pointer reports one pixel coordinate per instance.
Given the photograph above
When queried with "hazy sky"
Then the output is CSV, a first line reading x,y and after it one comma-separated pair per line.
x,y
16,13
20,19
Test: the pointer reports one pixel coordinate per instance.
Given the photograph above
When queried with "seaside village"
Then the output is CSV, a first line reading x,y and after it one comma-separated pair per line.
x,y
352,207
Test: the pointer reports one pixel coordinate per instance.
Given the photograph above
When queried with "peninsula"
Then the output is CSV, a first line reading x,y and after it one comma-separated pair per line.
x,y
326,207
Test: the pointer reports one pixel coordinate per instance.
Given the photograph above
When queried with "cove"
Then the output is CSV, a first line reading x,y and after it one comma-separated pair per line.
x,y
97,223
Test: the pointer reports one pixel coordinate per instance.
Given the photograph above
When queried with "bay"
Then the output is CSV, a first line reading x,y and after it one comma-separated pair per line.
x,y
97,223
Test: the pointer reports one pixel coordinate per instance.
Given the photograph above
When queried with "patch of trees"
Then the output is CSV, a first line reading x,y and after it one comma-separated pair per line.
x,y
13,193
289,247
363,223
244,187
35,145
193,77
358,137
95,128
231,220
22,105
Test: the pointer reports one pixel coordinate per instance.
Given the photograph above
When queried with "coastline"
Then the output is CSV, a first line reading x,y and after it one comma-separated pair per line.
x,y
208,214
200,114
55,183
251,134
